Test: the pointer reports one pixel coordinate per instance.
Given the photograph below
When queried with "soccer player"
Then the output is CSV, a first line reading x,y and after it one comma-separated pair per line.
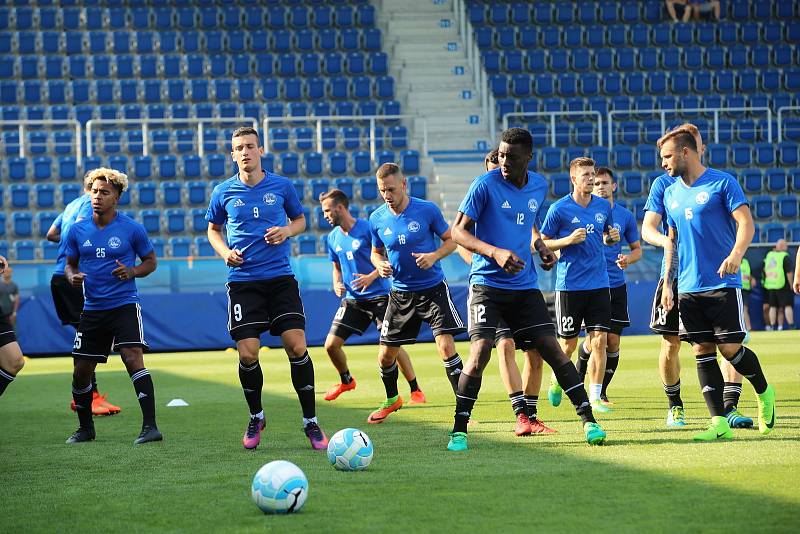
x,y
363,292
665,322
605,185
581,226
101,254
778,277
68,300
403,233
700,202
525,401
11,359
495,221
796,283
263,294
748,282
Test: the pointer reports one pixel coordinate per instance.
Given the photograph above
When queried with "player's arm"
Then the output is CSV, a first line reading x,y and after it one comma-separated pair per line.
x,y
278,234
548,257
576,237
147,266
338,285
381,262
73,273
232,257
651,231
426,260
626,260
54,232
744,236
462,234
796,284
667,298
787,269
465,254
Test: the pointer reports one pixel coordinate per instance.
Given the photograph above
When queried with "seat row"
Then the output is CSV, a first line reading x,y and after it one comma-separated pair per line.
x,y
190,42
188,18
176,247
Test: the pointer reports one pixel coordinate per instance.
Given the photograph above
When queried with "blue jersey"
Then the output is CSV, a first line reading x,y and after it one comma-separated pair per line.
x,y
504,216
352,252
701,216
78,209
581,266
247,212
625,222
655,203
414,230
97,251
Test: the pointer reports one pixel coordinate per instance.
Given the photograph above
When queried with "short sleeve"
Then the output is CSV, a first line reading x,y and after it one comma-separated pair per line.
x,y
438,224
141,243
670,220
734,195
475,200
374,232
609,219
331,254
57,223
631,231
551,222
655,200
70,246
216,213
292,205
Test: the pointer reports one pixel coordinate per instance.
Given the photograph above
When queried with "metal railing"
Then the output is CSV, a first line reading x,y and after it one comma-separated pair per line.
x,y
319,120
780,119
145,129
552,115
21,123
664,112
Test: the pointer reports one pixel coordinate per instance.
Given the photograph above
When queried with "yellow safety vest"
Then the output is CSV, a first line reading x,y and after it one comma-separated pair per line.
x,y
774,276
745,270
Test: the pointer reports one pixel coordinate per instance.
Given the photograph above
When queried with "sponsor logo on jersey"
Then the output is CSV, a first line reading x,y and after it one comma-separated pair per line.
x,y
575,220
338,249
388,231
87,243
114,242
506,205
238,203
673,205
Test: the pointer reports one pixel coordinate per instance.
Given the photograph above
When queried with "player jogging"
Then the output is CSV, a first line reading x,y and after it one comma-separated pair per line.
x,y
101,254
363,292
701,201
403,247
11,359
495,221
263,294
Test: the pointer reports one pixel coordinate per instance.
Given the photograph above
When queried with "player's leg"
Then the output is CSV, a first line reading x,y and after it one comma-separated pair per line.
x,y
407,368
665,322
597,318
11,360
568,324
731,394
532,373
619,321
333,346
387,362
612,362
787,303
512,380
439,311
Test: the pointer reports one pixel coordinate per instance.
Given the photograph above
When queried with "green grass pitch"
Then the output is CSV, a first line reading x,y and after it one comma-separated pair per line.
x,y
646,479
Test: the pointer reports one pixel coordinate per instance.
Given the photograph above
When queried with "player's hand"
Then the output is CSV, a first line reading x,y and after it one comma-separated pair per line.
x,y
362,281
730,265
796,284
339,289
548,258
384,269
425,260
509,261
123,272
667,300
233,258
276,235
622,261
76,279
577,236
612,236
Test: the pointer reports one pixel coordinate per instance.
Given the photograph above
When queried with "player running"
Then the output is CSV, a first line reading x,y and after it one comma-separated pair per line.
x,y
363,292
605,185
100,255
703,201
581,225
403,247
11,359
263,294
495,221
67,299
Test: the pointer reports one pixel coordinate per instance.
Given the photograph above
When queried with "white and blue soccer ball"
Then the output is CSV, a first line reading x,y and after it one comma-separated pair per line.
x,y
279,487
350,450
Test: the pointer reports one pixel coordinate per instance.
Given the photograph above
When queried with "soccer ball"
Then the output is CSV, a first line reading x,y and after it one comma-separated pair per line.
x,y
350,450
279,487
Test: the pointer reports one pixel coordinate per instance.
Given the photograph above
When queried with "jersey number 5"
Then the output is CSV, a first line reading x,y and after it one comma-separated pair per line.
x,y
77,344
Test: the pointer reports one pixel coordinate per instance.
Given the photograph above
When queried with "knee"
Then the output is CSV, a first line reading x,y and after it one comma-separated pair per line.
x,y
445,345
295,350
600,342
332,345
570,345
17,364
673,346
387,356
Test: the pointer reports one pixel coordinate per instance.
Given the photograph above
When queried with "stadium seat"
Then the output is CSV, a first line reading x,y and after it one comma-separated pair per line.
x,y
788,153
44,220
49,250
762,207
787,206
307,244
409,161
776,180
793,231
180,247
20,195
773,231
742,155
318,187
204,248
45,195
752,181
560,184
22,222
197,216
367,188
176,220
346,185
632,183
24,250
418,186
171,193
623,157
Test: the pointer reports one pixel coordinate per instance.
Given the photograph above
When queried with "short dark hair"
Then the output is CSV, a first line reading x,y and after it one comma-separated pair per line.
x,y
337,195
606,170
518,136
684,137
387,169
246,130
491,157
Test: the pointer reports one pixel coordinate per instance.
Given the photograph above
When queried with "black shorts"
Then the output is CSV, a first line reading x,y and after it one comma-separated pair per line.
x,y
67,299
780,298
523,310
408,309
662,321
592,307
746,297
355,316
7,334
712,316
103,331
619,309
503,332
260,305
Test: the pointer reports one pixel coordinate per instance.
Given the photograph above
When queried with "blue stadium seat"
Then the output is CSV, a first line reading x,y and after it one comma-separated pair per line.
x,y
45,195
44,220
765,154
418,186
793,231
560,184
196,192
197,216
762,207
20,195
752,181
788,153
346,185
215,164
409,161
176,220
362,162
204,248
632,183
151,219
773,231
623,157
49,250
337,162
787,206
367,188
776,181
742,155
146,193
181,247
22,222
307,244
171,193
69,192
24,250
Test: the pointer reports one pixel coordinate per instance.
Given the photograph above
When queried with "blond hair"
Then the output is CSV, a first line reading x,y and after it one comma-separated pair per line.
x,y
117,180
683,135
581,161
388,169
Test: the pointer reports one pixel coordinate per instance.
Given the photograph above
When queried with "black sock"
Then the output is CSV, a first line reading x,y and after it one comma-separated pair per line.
x,y
303,381
346,377
711,382
583,361
5,379
517,402
83,405
746,364
94,381
389,377
674,394
531,402
730,396
412,385
612,360
252,380
572,385
466,395
453,367
143,385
